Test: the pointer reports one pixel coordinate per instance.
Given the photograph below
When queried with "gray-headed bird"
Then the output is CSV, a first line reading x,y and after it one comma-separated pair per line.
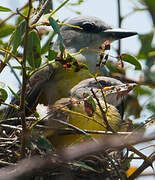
x,y
54,81
91,107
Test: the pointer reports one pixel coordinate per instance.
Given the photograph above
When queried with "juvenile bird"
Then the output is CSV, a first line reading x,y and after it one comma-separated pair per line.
x,y
87,109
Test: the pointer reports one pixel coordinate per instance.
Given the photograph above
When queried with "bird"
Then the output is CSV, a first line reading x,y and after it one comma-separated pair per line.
x,y
116,98
87,109
53,82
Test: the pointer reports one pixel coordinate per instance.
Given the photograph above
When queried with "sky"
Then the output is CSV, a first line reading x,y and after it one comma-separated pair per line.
x,y
104,9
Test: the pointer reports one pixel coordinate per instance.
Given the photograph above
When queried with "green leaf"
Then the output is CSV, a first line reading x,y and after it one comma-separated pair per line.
x,y
33,49
3,95
152,54
146,45
6,29
36,114
84,166
40,142
77,3
132,60
52,55
15,94
85,67
151,107
47,45
5,9
56,28
18,37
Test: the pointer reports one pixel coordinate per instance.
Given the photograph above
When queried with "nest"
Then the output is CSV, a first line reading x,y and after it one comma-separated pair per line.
x,y
109,163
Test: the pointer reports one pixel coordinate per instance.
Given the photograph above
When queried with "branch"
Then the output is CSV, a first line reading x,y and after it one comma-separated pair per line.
x,y
24,81
119,24
103,113
41,12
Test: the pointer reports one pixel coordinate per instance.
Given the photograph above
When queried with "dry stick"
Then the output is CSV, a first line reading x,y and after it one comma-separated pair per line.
x,y
119,25
141,155
116,141
29,167
24,81
103,113
41,12
145,165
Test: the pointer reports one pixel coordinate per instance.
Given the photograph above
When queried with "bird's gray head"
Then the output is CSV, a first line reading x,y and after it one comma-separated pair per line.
x,y
113,96
92,33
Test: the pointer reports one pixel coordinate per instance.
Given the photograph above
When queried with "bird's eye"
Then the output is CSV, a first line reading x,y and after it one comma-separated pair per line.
x,y
92,28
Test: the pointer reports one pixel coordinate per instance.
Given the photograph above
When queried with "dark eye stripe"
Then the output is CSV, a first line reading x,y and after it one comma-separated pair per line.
x,y
92,28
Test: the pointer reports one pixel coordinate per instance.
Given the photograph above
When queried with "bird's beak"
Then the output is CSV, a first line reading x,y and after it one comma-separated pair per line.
x,y
121,90
116,34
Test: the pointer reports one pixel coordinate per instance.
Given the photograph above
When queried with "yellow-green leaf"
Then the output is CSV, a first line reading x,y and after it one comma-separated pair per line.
x,y
52,55
3,95
6,29
132,60
5,9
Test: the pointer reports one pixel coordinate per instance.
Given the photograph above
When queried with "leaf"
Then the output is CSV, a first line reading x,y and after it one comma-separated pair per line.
x,y
40,142
15,94
5,9
112,68
84,166
6,29
48,7
3,95
52,55
47,45
146,42
18,36
33,50
77,3
56,28
132,60
152,54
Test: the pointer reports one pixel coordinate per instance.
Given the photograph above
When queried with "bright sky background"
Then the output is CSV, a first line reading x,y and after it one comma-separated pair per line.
x,y
104,9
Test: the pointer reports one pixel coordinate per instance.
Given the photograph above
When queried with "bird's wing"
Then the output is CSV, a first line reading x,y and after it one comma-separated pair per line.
x,y
33,90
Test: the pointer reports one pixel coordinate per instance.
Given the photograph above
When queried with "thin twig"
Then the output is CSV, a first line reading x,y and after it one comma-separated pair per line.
x,y
41,12
8,52
24,81
74,127
103,113
10,126
119,24
144,165
72,131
